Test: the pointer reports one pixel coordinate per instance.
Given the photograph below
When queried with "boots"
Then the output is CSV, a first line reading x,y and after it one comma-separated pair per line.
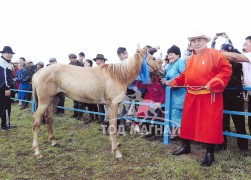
x,y
43,120
209,157
95,118
91,119
80,115
75,114
221,147
122,122
24,105
184,149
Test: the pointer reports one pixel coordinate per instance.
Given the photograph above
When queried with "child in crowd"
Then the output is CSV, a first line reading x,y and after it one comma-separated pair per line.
x,y
155,95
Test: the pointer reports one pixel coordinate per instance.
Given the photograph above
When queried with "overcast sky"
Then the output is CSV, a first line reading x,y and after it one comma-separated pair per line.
x,y
40,29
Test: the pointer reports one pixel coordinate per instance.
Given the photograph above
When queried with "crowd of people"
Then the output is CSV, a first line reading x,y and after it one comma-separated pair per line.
x,y
204,82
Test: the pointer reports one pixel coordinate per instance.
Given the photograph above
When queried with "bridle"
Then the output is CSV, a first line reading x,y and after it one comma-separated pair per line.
x,y
154,70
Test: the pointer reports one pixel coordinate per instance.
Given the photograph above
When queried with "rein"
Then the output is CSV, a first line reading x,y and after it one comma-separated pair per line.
x,y
155,70
194,88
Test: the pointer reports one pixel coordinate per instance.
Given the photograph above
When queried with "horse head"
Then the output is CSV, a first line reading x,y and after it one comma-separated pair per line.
x,y
155,66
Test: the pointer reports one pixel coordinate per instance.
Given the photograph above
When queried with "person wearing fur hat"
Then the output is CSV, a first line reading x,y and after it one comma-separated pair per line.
x,y
233,99
205,77
6,82
175,68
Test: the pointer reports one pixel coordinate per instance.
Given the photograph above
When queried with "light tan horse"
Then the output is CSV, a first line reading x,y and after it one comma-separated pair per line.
x,y
104,84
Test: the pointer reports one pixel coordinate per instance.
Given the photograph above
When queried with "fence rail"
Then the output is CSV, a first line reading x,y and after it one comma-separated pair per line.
x,y
167,115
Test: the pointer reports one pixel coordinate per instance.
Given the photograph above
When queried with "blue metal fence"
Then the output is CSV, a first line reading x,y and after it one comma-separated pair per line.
x,y
167,115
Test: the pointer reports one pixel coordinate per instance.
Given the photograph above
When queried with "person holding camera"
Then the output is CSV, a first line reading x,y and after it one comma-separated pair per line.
x,y
188,52
233,98
224,35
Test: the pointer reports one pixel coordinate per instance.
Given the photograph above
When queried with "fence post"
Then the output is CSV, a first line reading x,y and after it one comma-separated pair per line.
x,y
33,105
166,139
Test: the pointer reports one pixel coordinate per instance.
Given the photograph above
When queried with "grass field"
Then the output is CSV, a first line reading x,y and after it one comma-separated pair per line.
x,y
85,153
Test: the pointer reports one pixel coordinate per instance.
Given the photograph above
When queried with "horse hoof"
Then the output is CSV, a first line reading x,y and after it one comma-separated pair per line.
x,y
119,159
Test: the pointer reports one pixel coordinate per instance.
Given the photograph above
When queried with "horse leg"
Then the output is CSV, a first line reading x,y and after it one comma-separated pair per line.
x,y
113,109
49,117
36,126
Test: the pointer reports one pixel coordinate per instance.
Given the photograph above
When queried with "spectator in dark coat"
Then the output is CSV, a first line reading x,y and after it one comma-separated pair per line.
x,y
99,60
39,65
26,82
61,96
233,98
81,58
91,107
6,80
77,104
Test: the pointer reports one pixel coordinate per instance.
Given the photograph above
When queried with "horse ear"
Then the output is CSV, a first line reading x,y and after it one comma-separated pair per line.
x,y
138,48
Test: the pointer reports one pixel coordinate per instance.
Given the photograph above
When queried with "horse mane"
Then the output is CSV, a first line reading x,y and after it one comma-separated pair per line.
x,y
124,72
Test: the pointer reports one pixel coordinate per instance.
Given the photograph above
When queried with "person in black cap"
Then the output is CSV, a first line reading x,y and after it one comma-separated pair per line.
x,y
233,99
61,96
39,65
77,105
6,81
52,60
